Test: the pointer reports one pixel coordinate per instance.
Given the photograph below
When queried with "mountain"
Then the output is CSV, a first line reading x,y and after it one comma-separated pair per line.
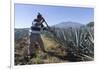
x,y
91,24
21,32
68,25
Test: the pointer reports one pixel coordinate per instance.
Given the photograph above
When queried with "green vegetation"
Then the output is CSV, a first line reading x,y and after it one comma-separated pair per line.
x,y
77,41
61,45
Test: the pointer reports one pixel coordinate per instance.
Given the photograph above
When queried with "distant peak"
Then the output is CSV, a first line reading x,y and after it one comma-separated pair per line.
x,y
68,24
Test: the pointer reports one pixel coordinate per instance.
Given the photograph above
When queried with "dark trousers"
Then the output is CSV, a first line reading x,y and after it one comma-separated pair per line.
x,y
35,43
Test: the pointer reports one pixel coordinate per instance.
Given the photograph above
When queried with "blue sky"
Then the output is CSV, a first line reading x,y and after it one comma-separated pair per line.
x,y
25,13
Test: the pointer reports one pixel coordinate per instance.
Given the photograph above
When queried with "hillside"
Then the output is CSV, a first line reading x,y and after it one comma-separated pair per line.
x,y
54,53
90,24
68,25
20,33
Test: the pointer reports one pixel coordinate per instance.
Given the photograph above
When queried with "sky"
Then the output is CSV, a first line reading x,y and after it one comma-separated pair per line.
x,y
26,13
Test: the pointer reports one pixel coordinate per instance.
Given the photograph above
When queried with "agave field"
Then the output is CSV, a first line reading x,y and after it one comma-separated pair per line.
x,y
61,44
78,42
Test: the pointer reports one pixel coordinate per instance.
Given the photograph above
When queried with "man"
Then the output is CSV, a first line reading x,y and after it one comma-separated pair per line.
x,y
35,37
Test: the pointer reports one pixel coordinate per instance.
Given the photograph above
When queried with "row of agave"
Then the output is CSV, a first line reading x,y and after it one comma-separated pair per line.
x,y
77,41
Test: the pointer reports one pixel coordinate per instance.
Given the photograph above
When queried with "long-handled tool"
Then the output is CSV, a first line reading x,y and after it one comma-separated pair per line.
x,y
47,24
49,28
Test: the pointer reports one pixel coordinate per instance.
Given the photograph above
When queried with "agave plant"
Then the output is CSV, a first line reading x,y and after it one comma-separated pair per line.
x,y
78,41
